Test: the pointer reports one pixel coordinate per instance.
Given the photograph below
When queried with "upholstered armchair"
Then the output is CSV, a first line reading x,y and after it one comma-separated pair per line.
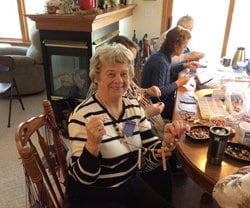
x,y
28,65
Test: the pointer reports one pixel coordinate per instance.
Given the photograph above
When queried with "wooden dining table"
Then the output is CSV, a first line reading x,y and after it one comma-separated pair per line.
x,y
193,156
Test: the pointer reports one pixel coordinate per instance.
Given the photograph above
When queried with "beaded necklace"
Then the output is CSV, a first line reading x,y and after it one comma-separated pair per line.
x,y
128,132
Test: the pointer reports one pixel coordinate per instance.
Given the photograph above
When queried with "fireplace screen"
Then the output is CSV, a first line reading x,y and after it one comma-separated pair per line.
x,y
68,69
69,76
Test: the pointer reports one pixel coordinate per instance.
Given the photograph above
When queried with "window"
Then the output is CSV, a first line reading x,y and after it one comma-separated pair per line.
x,y
240,29
9,12
212,27
13,13
209,24
33,7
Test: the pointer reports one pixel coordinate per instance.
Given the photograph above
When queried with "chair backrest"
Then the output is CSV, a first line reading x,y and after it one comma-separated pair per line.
x,y
43,156
6,66
8,82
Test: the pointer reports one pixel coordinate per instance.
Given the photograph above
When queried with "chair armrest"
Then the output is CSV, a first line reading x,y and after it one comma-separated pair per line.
x,y
22,60
13,50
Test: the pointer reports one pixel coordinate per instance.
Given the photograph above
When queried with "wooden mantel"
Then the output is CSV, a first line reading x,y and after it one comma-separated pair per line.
x,y
83,22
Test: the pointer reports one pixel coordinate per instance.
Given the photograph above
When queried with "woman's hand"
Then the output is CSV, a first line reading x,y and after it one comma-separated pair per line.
x,y
95,131
167,152
153,91
172,133
192,65
182,81
194,55
154,109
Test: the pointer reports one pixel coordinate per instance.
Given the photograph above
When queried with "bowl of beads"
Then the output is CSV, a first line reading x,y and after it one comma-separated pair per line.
x,y
218,121
198,133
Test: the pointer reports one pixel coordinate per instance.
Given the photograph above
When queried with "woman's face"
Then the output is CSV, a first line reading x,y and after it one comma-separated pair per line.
x,y
134,51
180,49
114,80
189,26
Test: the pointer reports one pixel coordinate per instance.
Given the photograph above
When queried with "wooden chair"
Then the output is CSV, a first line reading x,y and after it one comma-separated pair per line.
x,y
6,70
43,156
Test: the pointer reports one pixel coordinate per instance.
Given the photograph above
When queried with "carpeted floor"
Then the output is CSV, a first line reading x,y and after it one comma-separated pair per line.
x,y
12,186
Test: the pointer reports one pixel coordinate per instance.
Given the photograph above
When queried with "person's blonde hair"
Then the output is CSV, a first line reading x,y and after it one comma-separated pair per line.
x,y
110,54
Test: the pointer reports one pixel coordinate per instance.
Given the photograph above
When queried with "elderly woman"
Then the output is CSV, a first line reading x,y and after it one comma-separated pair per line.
x,y
159,70
152,111
108,133
186,22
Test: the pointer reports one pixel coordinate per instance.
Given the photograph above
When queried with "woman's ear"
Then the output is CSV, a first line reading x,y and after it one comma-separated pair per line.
x,y
95,81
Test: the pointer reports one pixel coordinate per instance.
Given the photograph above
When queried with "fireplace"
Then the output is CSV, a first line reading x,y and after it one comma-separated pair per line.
x,y
68,64
68,41
66,57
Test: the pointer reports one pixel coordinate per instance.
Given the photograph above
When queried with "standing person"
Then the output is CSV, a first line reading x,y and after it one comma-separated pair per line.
x,y
159,70
233,191
108,132
186,22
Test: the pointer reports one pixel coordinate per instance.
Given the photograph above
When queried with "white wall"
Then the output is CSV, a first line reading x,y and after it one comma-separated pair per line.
x,y
146,18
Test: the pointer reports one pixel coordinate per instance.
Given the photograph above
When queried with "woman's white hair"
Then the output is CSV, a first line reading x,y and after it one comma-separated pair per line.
x,y
184,20
109,54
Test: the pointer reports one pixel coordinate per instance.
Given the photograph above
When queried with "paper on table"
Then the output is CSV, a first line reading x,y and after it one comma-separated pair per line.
x,y
201,93
204,76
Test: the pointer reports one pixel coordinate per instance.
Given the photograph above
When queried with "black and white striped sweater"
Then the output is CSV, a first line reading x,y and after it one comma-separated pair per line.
x,y
116,162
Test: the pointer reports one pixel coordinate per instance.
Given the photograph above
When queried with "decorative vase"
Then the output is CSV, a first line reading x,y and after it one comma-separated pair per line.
x,y
87,4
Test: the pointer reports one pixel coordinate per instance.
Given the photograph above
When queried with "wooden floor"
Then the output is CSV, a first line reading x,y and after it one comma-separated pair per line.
x,y
187,194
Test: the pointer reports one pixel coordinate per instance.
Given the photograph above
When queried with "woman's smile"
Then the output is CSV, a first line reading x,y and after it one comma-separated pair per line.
x,y
114,79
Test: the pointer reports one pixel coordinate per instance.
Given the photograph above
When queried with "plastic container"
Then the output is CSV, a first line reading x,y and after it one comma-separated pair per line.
x,y
244,136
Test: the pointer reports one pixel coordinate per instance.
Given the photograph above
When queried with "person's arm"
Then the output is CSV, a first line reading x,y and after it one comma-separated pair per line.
x,y
157,72
84,163
177,59
175,70
234,190
149,142
153,91
154,109
191,56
